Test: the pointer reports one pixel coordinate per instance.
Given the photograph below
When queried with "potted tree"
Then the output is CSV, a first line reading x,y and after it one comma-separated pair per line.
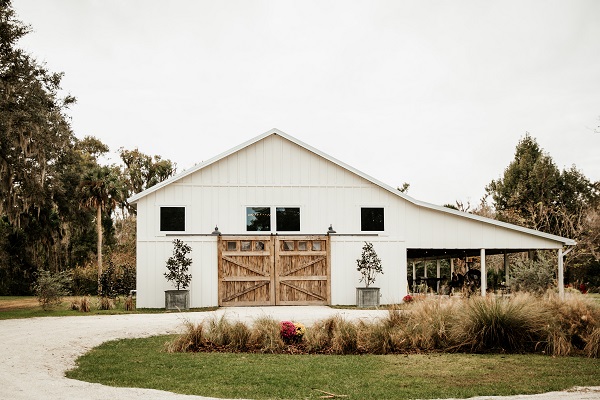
x,y
369,265
178,273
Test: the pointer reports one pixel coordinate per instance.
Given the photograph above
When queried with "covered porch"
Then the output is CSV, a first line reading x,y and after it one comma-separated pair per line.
x,y
436,268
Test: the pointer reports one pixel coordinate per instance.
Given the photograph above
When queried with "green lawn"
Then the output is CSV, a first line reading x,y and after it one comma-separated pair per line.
x,y
143,363
27,307
594,296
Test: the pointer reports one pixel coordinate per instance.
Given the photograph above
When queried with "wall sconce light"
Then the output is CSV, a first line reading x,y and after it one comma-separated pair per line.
x,y
216,231
330,230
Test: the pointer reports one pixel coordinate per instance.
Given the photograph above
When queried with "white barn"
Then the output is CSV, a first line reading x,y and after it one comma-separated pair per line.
x,y
273,200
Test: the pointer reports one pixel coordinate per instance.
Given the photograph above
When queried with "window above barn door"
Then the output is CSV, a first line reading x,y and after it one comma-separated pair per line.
x,y
288,219
262,219
372,219
258,219
172,219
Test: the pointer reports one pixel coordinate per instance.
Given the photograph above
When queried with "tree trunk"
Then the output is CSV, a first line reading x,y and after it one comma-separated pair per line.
x,y
99,231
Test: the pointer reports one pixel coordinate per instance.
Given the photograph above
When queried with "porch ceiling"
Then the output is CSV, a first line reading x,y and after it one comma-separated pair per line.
x,y
443,254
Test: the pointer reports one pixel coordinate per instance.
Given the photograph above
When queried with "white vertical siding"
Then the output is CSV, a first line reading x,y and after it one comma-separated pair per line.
x,y
345,250
427,228
277,172
272,172
151,283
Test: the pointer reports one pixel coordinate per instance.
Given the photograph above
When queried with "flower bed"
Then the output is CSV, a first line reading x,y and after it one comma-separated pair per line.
x,y
520,324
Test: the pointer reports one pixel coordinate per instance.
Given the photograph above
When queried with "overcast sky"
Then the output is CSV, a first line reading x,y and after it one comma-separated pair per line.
x,y
434,93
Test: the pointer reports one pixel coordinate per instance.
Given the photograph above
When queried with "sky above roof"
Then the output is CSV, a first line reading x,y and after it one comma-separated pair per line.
x,y
433,93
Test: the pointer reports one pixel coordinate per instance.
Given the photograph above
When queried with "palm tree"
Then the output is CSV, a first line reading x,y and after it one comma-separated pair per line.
x,y
101,191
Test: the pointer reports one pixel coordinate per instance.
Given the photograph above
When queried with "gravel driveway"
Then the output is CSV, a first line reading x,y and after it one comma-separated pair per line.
x,y
36,352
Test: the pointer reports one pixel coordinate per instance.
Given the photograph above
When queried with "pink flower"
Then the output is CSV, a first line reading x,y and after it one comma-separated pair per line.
x,y
288,330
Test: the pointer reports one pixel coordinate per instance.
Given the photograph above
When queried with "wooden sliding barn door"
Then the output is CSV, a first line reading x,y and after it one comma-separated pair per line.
x,y
246,271
274,270
302,270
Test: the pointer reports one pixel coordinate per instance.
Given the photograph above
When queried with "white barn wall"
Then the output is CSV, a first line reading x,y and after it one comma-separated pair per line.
x,y
151,282
323,198
345,250
427,228
274,171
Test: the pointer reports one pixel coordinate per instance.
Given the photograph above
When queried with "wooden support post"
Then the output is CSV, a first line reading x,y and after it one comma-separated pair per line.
x,y
425,275
414,277
561,274
451,266
483,273
438,276
506,269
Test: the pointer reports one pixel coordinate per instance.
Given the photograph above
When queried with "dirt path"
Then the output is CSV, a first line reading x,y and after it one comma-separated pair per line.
x,y
36,352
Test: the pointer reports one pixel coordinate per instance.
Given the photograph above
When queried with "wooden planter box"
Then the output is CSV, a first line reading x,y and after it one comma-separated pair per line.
x,y
367,297
177,299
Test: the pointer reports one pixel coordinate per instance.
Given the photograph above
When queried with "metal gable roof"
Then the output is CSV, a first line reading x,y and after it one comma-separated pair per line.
x,y
134,199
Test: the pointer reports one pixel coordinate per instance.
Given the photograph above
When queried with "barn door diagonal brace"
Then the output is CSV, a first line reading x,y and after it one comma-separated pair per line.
x,y
256,271
243,292
303,266
298,288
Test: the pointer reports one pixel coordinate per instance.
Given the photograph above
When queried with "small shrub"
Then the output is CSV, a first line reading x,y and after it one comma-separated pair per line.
x,y
344,336
81,304
300,330
178,265
395,317
571,324
532,276
106,303
84,304
318,338
117,280
375,338
85,280
265,336
222,333
129,304
51,287
191,340
239,337
428,324
592,346
369,264
217,331
407,299
500,324
287,331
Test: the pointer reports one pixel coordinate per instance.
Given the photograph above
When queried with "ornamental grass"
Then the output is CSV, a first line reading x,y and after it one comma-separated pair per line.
x,y
190,341
518,324
571,324
265,336
81,304
500,325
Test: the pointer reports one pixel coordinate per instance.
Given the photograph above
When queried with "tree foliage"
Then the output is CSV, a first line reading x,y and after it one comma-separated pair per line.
x,y
178,265
143,171
51,287
369,264
534,193
58,203
533,275
35,158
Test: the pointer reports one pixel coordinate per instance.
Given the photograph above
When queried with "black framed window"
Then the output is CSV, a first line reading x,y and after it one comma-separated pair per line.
x,y
287,219
172,219
258,219
372,219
